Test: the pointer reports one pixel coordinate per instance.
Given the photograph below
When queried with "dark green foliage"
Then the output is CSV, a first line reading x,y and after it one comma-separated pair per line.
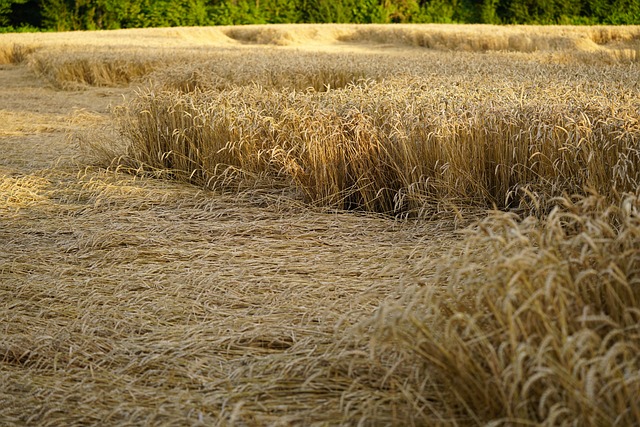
x,y
323,11
110,14
23,14
240,12
279,11
6,8
403,11
172,13
569,11
368,12
541,11
614,11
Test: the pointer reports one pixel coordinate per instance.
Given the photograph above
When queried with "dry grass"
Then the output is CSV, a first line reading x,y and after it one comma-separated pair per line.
x,y
244,300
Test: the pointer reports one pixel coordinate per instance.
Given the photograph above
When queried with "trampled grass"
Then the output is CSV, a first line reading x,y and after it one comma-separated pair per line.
x,y
319,315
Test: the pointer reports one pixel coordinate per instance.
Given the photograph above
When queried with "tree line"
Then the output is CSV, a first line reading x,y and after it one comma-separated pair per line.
x,y
63,15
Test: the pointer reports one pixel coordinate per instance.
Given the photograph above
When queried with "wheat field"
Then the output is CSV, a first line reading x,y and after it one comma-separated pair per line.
x,y
321,225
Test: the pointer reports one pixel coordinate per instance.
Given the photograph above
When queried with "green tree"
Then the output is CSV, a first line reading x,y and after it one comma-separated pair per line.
x,y
6,7
280,11
367,12
625,12
614,11
539,11
402,11
489,12
172,13
239,12
324,11
440,11
110,14
55,15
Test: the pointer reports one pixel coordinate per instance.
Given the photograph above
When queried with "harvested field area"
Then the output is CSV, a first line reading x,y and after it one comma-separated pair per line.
x,y
320,225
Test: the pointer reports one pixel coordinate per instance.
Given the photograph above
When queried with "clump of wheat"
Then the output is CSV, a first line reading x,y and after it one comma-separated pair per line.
x,y
15,53
272,69
529,322
395,146
92,68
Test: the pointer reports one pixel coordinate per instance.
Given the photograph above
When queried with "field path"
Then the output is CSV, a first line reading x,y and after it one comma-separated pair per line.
x,y
34,117
132,301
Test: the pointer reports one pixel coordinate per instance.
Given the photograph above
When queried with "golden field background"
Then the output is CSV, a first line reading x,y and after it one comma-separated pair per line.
x,y
355,224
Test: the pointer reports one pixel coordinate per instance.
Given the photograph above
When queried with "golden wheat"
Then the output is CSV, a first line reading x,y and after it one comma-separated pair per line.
x,y
535,322
394,146
253,308
157,48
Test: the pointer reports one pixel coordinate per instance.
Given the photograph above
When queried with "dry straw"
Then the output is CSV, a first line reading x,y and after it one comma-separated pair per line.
x,y
131,301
